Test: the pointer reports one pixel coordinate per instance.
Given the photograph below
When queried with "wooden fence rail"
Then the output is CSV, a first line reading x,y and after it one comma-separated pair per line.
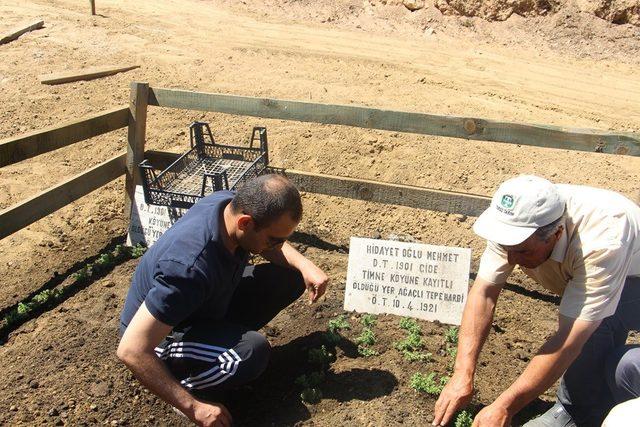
x,y
15,149
29,211
368,190
400,121
134,116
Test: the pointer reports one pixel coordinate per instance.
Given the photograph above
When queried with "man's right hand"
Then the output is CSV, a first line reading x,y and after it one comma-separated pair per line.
x,y
456,395
210,414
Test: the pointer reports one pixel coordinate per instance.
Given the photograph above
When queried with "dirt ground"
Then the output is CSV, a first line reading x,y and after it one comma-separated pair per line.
x,y
567,68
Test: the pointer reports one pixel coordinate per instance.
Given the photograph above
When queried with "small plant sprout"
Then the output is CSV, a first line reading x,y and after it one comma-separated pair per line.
x,y
367,337
428,383
312,380
451,335
333,336
368,320
338,324
365,351
464,419
417,356
311,395
410,325
320,356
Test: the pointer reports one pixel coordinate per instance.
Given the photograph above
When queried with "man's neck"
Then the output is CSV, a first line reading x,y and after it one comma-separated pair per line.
x,y
228,229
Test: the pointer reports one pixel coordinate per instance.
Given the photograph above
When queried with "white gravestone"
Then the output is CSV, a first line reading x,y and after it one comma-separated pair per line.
x,y
149,222
407,279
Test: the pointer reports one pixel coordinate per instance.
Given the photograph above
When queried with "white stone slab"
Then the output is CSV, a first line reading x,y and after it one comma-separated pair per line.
x,y
149,222
407,279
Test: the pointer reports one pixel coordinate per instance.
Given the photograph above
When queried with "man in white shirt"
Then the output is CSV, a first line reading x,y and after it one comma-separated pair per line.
x,y
582,243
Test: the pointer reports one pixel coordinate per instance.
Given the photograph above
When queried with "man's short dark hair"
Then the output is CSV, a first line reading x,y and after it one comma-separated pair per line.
x,y
266,198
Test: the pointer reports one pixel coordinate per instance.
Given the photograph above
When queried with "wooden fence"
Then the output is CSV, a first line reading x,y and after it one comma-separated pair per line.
x,y
134,117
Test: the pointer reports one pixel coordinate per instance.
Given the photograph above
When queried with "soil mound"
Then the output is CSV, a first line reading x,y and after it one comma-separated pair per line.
x,y
614,11
496,10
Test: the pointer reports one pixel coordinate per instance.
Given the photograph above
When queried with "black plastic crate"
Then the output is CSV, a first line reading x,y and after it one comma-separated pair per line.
x,y
205,168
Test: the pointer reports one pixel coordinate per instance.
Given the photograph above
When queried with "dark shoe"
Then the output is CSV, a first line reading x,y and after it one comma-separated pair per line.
x,y
554,417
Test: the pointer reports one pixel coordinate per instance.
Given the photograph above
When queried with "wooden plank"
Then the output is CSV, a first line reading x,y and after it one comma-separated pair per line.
x,y
31,144
84,74
371,191
138,96
27,212
400,121
18,31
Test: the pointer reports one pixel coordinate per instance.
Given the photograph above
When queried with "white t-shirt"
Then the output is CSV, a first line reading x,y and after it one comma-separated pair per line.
x,y
624,415
599,248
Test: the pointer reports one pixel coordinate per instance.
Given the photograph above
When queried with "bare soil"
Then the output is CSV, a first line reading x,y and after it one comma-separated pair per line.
x,y
568,68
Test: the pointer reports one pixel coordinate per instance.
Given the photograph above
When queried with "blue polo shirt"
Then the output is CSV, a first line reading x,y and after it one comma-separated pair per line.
x,y
188,275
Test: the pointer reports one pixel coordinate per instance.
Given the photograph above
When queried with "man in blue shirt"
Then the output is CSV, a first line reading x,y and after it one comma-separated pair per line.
x,y
190,318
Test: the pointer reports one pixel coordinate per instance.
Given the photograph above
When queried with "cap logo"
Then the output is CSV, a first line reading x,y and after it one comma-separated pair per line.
x,y
507,201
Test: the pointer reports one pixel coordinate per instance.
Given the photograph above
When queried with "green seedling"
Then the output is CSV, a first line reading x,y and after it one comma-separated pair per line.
x,y
451,335
311,396
138,250
428,383
417,356
49,297
366,351
368,320
464,419
312,380
338,324
332,338
410,325
320,356
367,337
412,342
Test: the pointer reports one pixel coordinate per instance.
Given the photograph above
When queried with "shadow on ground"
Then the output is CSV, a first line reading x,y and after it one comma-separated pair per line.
x,y
274,399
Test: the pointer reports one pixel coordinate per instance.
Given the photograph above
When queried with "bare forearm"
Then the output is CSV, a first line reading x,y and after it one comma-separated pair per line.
x,y
154,375
476,321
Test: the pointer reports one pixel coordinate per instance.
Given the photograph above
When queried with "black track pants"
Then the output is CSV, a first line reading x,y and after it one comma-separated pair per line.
x,y
228,353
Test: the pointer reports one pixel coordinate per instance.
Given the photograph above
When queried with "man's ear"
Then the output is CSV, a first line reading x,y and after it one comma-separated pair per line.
x,y
245,222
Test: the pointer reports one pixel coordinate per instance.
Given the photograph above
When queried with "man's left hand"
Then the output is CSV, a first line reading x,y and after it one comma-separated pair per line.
x,y
492,416
315,280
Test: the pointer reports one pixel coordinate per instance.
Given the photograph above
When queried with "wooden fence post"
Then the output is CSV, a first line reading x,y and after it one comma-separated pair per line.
x,y
136,138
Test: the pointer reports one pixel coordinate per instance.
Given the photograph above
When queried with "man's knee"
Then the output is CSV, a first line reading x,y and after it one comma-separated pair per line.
x,y
255,351
623,373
